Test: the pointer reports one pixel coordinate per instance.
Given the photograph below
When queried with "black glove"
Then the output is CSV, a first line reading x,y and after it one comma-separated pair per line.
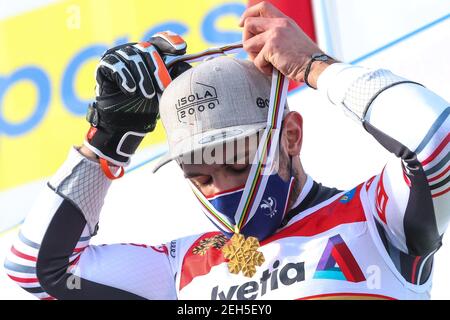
x,y
130,79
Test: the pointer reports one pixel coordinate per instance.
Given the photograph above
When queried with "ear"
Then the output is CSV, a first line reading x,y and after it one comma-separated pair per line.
x,y
292,133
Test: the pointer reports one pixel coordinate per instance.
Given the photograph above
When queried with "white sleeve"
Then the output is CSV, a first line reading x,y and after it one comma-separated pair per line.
x,y
52,257
412,194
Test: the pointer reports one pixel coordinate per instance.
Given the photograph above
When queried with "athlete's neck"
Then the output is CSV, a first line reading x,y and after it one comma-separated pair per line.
x,y
299,183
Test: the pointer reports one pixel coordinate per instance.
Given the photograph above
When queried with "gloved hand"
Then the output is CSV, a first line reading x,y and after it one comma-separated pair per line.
x,y
130,79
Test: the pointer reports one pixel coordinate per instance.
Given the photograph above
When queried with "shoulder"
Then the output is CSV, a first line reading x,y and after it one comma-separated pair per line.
x,y
325,212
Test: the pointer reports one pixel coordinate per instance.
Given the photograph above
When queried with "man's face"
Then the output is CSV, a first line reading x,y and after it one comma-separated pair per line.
x,y
230,170
221,168
217,178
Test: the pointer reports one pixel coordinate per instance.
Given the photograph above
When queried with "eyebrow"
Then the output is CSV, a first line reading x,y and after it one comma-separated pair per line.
x,y
198,174
193,175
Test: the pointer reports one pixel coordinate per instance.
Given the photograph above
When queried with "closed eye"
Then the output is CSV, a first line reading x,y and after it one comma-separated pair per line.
x,y
201,180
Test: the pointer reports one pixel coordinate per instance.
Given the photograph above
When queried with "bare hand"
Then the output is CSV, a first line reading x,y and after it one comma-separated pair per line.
x,y
272,39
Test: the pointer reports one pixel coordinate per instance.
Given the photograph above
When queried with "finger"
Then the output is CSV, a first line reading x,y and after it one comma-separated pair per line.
x,y
178,69
252,56
262,9
262,63
115,70
169,43
138,70
254,44
254,26
114,49
156,65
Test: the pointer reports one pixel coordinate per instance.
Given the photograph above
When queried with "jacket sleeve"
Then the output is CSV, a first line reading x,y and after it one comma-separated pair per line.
x,y
52,257
411,194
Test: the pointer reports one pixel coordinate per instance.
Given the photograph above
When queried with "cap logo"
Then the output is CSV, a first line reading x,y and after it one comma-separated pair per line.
x,y
203,97
262,103
220,136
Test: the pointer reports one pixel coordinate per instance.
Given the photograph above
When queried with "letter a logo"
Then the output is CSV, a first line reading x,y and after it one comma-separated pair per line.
x,y
338,263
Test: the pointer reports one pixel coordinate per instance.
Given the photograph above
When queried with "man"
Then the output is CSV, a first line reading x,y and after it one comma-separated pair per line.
x,y
375,241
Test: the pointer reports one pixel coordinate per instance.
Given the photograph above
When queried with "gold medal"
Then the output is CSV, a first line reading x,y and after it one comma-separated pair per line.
x,y
243,255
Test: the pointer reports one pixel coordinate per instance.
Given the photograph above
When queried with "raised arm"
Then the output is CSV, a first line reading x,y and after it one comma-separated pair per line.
x,y
411,195
52,257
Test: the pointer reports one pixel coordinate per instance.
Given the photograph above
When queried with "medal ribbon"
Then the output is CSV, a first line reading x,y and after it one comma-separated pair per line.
x,y
265,155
